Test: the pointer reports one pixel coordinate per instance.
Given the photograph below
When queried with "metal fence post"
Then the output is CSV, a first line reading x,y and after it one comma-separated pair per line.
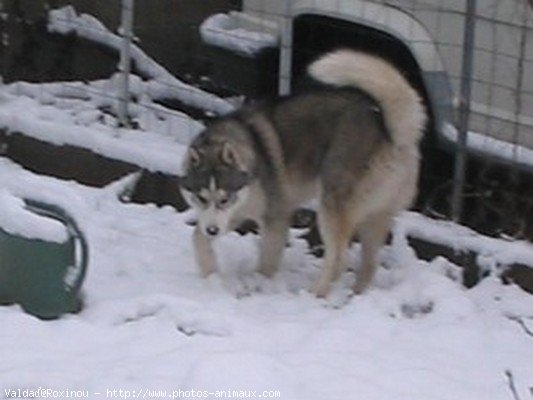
x,y
285,59
464,110
3,41
124,67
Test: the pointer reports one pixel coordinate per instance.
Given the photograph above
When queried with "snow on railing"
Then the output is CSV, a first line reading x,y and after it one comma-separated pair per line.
x,y
66,20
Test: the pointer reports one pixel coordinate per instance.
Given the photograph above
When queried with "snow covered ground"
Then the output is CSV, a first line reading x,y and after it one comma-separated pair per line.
x,y
151,324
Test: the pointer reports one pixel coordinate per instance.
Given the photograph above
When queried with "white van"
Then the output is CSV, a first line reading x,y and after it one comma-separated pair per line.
x,y
423,38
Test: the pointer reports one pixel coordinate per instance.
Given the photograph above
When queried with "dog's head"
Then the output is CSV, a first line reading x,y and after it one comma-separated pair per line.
x,y
218,171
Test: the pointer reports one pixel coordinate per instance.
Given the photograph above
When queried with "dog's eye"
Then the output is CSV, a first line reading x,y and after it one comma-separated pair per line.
x,y
224,201
201,199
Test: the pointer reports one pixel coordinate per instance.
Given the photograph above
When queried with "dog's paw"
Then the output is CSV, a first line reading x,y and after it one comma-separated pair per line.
x,y
321,289
339,294
207,273
360,286
214,281
339,298
267,271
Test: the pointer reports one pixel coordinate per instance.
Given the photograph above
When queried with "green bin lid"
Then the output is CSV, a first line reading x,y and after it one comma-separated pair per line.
x,y
42,271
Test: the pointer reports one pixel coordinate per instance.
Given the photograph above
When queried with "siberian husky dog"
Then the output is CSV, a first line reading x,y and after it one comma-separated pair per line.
x,y
350,143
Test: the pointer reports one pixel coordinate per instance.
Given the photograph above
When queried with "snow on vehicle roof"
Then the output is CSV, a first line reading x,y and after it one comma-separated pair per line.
x,y
230,32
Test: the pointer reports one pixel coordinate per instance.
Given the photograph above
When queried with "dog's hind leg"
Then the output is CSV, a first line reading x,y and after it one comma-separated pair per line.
x,y
273,239
205,255
372,233
336,231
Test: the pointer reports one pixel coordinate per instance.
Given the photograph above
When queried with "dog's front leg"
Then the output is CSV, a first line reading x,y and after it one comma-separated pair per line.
x,y
205,255
271,245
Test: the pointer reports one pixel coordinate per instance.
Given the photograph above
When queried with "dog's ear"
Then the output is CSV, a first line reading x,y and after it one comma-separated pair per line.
x,y
230,155
193,158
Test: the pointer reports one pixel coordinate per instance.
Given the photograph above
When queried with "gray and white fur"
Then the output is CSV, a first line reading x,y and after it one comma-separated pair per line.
x,y
351,144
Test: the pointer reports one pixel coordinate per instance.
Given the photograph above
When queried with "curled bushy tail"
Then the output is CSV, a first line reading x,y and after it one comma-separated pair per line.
x,y
401,105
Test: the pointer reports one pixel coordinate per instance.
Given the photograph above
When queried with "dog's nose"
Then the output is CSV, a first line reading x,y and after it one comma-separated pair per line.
x,y
212,230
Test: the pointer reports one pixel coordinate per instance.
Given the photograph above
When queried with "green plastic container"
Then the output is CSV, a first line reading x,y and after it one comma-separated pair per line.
x,y
44,277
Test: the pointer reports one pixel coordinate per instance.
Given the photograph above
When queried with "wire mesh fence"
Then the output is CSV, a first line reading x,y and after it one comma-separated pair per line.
x,y
187,65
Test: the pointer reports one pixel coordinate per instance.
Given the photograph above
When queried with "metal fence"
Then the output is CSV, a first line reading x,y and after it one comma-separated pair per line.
x,y
472,61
